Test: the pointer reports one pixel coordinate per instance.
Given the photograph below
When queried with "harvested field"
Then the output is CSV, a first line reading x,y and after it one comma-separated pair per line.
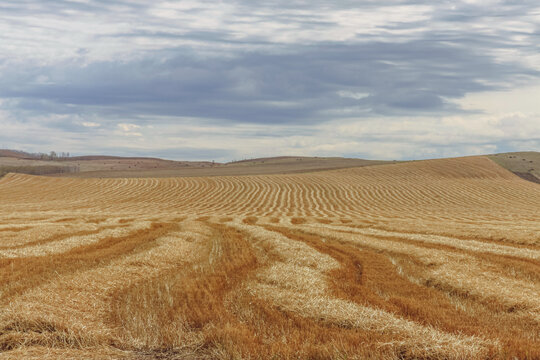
x,y
436,259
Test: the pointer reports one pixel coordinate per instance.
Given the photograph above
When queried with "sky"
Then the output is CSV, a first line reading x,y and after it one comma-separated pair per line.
x,y
230,80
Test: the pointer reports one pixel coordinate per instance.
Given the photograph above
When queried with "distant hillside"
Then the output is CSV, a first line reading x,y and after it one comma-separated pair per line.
x,y
37,169
108,157
524,164
14,154
259,166
103,166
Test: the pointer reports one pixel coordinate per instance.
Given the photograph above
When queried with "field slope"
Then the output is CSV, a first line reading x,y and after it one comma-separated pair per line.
x,y
435,259
524,164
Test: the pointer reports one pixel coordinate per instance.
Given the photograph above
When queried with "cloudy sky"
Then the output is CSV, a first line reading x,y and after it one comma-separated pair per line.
x,y
224,80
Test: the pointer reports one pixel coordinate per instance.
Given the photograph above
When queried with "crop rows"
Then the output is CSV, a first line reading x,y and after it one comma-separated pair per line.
x,y
433,259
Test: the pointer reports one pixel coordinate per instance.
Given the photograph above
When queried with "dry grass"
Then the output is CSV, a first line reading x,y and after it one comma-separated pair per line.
x,y
434,260
523,164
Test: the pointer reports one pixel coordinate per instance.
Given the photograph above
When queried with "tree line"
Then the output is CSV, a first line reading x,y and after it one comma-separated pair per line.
x,y
53,155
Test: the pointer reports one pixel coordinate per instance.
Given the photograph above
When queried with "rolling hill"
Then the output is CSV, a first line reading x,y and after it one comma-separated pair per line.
x,y
435,259
524,164
143,167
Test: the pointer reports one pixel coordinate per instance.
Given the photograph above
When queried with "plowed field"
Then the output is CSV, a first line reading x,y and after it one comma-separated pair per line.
x,y
435,259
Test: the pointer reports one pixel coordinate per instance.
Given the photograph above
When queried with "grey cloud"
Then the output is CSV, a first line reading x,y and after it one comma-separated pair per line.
x,y
407,79
59,7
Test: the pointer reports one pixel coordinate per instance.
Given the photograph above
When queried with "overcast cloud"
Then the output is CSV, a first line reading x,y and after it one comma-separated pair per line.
x,y
238,79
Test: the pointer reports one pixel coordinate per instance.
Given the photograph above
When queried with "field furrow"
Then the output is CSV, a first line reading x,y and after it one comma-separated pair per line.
x,y
435,259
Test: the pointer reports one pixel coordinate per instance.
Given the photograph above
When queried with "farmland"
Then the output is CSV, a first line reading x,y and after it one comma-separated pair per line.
x,y
435,259
133,167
